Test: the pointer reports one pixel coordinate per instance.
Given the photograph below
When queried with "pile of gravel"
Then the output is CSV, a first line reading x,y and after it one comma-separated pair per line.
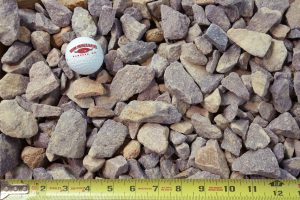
x,y
188,89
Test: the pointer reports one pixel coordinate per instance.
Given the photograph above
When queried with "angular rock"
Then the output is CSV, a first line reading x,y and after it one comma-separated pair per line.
x,y
199,15
190,53
261,162
264,19
27,18
296,58
95,6
83,24
233,83
15,53
260,83
108,140
10,22
204,175
130,80
182,150
97,111
113,62
278,150
257,138
41,174
159,64
180,84
15,121
184,127
212,102
106,19
217,15
61,172
168,168
255,43
24,34
59,14
20,172
292,15
42,81
86,87
217,37
93,164
42,110
285,125
149,160
41,41
12,85
280,5
115,167
229,59
133,29
53,57
280,31
231,142
177,138
266,111
212,159
274,59
135,170
42,23
203,45
153,173
292,164
204,128
69,137
132,150
296,84
150,111
154,137
240,127
136,51
33,157
74,3
230,112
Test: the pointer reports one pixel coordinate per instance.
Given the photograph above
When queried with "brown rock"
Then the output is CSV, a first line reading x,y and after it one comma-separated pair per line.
x,y
12,85
154,35
24,34
97,111
56,39
85,87
41,41
33,157
71,4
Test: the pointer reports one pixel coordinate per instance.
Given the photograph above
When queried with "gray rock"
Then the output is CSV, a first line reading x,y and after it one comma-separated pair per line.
x,y
130,80
70,132
231,142
115,167
10,22
230,112
168,168
210,82
153,173
199,15
286,175
135,170
15,121
83,24
296,58
266,111
261,162
174,24
291,164
134,12
274,59
95,6
260,121
10,150
41,174
106,19
27,18
240,127
297,84
278,151
204,128
12,85
113,62
183,151
149,160
41,41
59,14
133,29
68,36
257,138
92,164
217,37
136,51
22,172
40,9
204,175
180,84
121,5
177,138
196,145
15,53
285,125
203,45
42,23
190,53
280,5
159,64
65,67
292,15
43,110
229,59
233,83
217,15
60,172
108,140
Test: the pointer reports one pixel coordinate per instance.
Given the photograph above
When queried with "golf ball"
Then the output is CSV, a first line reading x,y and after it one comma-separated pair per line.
x,y
84,55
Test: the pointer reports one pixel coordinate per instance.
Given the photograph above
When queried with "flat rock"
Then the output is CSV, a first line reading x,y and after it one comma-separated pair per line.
x,y
261,162
15,53
42,81
98,111
108,140
154,137
229,59
285,125
264,19
181,84
204,128
133,29
217,15
15,121
83,24
69,137
43,110
293,16
150,111
10,22
217,36
59,14
212,159
280,31
257,138
86,87
12,85
10,149
131,80
231,142
42,23
260,83
233,83
174,24
255,43
41,41
280,5
106,19
115,167
60,172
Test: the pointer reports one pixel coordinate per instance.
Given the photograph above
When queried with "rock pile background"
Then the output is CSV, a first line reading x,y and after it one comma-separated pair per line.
x,y
188,89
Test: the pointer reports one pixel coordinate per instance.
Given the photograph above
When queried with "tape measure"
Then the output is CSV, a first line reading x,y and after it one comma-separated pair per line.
x,y
137,189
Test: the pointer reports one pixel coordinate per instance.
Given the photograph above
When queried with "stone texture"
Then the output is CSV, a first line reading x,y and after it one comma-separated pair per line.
x,y
229,59
41,41
168,168
69,137
83,24
274,59
133,29
240,127
42,81
86,87
159,64
41,174
42,23
199,15
257,138
212,102
95,6
177,138
33,157
53,57
15,53
174,24
280,5
212,159
84,102
217,37
154,35
97,111
115,167
233,83
12,85
260,83
24,34
106,19
266,111
184,127
132,150
293,16
255,43
231,142
296,58
43,110
204,128
217,15
261,162
108,140
93,164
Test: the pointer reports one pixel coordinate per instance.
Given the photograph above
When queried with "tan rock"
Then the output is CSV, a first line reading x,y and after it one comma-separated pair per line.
x,y
93,164
103,77
204,2
71,4
195,109
85,87
280,31
33,157
12,85
56,39
212,102
185,127
274,59
260,83
97,111
154,35
132,150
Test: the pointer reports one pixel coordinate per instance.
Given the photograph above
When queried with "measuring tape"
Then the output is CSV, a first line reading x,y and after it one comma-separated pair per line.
x,y
138,189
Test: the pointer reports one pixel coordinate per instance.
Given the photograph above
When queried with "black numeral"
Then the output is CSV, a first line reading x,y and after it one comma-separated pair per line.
x,y
155,188
231,188
110,188
43,188
65,188
132,188
278,193
178,188
252,188
87,188
201,188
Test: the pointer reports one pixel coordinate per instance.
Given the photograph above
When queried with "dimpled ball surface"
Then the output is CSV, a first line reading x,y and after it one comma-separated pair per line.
x,y
84,55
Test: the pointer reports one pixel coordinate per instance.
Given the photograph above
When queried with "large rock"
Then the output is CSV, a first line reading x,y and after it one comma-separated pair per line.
x,y
261,162
150,111
15,121
10,150
12,85
204,128
255,43
108,140
10,22
181,84
274,59
83,23
174,24
15,53
154,137
234,83
212,159
131,80
69,137
285,125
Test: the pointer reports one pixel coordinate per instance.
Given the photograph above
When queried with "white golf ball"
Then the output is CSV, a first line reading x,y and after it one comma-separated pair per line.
x,y
84,55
